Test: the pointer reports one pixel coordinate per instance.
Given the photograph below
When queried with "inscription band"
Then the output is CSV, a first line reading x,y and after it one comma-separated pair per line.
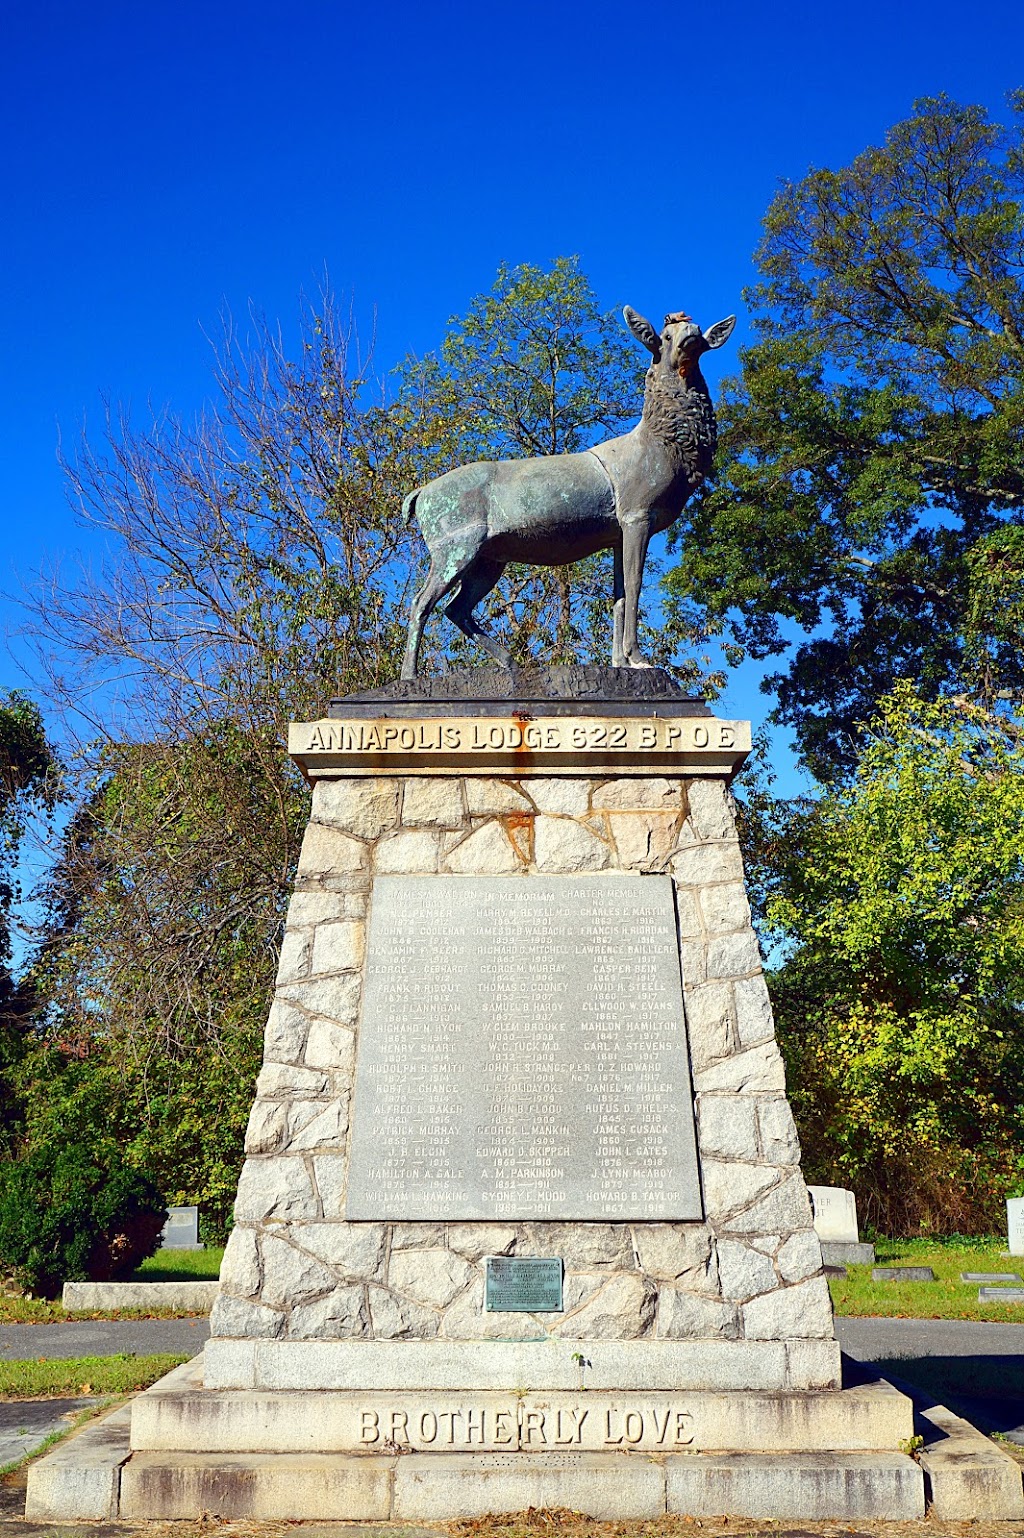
x,y
519,745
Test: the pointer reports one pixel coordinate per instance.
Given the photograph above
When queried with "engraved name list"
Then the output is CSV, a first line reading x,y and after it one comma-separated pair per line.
x,y
522,1053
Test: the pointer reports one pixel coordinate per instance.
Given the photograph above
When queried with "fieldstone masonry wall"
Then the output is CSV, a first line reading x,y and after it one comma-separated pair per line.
x,y
296,1270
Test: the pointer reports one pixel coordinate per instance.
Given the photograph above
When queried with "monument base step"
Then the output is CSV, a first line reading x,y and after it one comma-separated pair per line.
x,y
96,1475
443,1486
551,1365
841,1252
179,1414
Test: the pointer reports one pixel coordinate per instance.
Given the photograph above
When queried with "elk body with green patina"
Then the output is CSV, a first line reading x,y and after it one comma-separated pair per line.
x,y
560,508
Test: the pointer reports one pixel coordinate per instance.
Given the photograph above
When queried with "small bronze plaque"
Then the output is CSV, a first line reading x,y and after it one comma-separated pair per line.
x,y
522,1286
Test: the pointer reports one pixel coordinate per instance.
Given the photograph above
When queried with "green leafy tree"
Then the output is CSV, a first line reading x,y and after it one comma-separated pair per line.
x,y
872,450
164,914
28,783
64,1217
896,908
533,367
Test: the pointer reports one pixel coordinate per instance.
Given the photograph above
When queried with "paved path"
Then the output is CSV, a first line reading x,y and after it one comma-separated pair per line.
x,y
102,1337
873,1340
929,1353
26,1423
869,1340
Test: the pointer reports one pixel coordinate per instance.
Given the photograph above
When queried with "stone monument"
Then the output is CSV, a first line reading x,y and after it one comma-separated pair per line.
x,y
1015,1224
835,1223
181,1231
521,1221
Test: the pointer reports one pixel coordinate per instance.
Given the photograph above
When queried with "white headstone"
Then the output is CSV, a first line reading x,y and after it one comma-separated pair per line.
x,y
181,1231
835,1214
1015,1224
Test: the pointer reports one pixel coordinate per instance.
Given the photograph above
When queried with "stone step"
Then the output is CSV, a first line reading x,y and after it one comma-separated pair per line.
x,y
178,1414
260,1486
94,1475
79,1478
809,1486
968,1477
446,1486
186,1297
841,1252
566,1365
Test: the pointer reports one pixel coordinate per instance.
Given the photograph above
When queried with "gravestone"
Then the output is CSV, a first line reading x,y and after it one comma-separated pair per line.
x,y
181,1231
835,1223
902,1274
521,1221
1015,1224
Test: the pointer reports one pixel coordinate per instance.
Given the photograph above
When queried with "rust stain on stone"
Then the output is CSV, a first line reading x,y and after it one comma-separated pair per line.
x,y
519,827
521,719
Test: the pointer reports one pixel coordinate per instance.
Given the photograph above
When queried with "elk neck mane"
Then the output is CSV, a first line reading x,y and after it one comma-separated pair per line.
x,y
680,413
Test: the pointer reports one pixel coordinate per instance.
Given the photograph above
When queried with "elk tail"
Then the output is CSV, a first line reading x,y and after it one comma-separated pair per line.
x,y
409,506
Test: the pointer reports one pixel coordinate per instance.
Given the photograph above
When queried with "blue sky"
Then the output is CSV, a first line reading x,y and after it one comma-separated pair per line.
x,y
162,162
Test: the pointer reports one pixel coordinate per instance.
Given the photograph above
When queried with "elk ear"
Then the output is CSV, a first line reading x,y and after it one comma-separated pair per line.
x,y
720,332
642,330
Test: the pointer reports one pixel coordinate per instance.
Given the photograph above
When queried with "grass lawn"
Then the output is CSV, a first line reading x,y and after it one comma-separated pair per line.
x,y
67,1377
164,1266
856,1295
181,1266
44,1311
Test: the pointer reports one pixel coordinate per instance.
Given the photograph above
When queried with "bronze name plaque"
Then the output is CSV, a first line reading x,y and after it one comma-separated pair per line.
x,y
522,1053
526,1285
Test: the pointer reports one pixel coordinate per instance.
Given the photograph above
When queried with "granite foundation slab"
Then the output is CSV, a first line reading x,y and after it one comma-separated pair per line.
x,y
80,1479
443,1486
837,1252
175,1417
570,1365
603,1486
266,1487
97,1475
902,1274
968,1477
809,1486
185,1297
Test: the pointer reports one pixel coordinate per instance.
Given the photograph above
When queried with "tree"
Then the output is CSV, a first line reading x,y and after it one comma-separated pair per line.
x,y
164,913
29,780
258,568
895,907
872,451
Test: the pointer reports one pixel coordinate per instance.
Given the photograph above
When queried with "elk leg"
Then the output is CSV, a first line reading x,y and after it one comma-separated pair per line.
x,y
477,581
440,580
635,538
618,609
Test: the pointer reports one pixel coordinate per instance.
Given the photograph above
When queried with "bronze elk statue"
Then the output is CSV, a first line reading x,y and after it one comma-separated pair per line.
x,y
559,508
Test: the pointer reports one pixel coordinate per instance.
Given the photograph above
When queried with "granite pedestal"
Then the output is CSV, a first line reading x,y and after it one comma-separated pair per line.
x,y
520,1014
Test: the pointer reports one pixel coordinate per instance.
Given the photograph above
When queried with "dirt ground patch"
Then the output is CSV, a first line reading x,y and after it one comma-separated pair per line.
x,y
529,1524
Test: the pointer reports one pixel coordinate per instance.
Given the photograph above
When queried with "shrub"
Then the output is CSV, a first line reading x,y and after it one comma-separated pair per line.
x,y
67,1217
